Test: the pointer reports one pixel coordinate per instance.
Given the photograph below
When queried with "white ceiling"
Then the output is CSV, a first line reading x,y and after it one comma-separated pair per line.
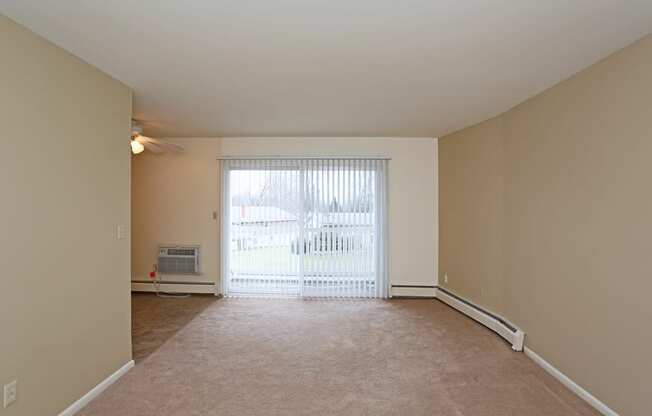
x,y
333,67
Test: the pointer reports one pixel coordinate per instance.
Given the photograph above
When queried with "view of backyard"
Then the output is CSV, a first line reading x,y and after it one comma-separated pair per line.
x,y
280,261
295,232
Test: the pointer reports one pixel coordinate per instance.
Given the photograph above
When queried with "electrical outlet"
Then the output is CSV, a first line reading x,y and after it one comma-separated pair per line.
x,y
10,392
445,277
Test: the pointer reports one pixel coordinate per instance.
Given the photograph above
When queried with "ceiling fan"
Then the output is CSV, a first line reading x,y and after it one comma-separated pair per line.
x,y
139,143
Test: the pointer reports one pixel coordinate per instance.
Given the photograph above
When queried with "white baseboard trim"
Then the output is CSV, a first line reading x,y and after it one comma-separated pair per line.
x,y
570,384
412,292
174,288
516,337
97,390
492,321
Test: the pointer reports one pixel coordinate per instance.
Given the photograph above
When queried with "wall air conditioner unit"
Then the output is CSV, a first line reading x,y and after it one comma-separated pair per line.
x,y
178,259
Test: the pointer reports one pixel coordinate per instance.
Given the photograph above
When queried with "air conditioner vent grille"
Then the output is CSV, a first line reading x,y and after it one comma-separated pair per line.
x,y
181,252
178,260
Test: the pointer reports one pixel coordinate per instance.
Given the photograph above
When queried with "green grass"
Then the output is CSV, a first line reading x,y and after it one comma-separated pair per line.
x,y
281,260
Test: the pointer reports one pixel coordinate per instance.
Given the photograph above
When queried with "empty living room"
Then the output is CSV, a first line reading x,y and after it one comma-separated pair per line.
x,y
311,207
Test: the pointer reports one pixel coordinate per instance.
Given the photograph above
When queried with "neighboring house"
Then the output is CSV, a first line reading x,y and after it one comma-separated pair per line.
x,y
260,215
268,226
261,226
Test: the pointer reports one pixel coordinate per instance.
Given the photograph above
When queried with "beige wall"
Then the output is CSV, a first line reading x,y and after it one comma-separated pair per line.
x,y
173,198
577,206
412,204
64,300
471,214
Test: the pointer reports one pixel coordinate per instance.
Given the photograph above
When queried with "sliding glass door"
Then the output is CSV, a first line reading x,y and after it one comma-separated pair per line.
x,y
304,227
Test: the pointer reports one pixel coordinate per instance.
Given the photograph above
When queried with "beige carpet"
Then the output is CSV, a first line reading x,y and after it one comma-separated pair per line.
x,y
154,320
322,357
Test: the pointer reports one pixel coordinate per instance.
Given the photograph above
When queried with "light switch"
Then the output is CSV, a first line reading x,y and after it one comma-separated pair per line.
x,y
121,232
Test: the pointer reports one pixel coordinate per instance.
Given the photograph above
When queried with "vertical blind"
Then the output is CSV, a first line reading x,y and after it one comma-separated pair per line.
x,y
304,227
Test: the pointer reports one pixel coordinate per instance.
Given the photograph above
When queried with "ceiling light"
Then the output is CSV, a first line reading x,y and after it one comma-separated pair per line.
x,y
136,147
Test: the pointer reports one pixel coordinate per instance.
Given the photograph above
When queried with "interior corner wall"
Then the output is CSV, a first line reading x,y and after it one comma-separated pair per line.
x,y
576,203
64,296
471,214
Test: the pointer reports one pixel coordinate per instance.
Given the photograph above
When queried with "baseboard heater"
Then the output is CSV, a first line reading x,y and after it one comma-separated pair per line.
x,y
492,321
413,291
174,287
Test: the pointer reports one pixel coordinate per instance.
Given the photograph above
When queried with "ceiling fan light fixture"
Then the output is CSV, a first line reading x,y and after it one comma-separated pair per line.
x,y
136,147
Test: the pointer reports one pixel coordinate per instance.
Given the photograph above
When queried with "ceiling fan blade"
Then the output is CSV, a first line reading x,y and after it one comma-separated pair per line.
x,y
175,148
158,146
154,148
149,145
165,145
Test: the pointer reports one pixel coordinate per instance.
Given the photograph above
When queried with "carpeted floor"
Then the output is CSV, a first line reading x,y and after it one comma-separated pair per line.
x,y
154,320
326,357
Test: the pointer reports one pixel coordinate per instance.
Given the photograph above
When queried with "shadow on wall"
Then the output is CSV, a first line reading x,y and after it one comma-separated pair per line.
x,y
155,320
